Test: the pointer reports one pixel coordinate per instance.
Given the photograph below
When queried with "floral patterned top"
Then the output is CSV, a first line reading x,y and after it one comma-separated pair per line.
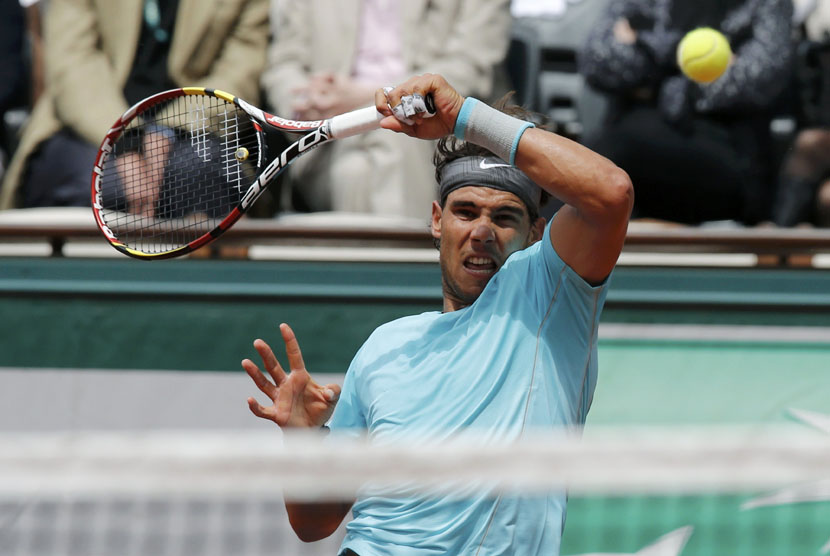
x,y
758,30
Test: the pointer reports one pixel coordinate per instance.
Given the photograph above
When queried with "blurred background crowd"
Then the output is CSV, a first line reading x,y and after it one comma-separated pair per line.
x,y
751,148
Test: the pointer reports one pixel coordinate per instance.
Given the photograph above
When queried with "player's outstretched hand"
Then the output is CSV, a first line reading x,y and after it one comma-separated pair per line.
x,y
446,99
298,401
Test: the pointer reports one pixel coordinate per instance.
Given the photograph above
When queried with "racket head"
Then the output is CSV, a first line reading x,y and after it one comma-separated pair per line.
x,y
170,174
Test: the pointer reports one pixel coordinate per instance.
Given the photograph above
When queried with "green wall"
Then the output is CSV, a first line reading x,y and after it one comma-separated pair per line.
x,y
204,314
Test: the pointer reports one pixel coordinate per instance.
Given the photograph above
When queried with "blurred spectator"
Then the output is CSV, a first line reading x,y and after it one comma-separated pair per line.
x,y
14,82
803,194
815,17
330,57
540,8
694,152
102,56
34,54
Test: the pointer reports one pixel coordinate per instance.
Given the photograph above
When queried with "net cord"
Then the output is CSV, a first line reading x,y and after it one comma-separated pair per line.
x,y
306,466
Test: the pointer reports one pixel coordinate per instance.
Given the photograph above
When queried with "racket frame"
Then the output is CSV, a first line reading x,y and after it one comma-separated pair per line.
x,y
316,133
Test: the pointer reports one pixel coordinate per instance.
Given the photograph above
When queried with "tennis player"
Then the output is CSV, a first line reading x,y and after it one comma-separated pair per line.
x,y
514,349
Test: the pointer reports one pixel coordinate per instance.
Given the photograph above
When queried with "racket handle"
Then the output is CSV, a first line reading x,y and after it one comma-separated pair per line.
x,y
365,119
355,122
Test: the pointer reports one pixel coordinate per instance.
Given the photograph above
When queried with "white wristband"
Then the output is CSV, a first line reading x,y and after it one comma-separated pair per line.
x,y
492,129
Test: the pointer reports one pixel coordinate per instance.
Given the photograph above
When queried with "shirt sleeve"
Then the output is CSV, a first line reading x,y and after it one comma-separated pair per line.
x,y
348,417
569,329
539,274
555,302
555,265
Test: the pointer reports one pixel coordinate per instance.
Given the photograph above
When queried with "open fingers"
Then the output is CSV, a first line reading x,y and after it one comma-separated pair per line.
x,y
292,349
260,411
270,361
264,385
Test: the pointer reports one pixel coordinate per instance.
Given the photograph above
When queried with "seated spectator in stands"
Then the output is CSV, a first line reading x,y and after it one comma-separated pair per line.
x,y
694,152
803,194
13,76
329,57
101,57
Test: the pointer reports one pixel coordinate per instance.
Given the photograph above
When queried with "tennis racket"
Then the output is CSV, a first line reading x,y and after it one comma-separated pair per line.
x,y
179,168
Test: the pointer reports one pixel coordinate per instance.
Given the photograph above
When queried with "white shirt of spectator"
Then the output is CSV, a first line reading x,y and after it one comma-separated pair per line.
x,y
379,57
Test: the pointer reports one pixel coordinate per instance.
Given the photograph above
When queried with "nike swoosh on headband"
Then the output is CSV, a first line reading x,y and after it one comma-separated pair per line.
x,y
485,166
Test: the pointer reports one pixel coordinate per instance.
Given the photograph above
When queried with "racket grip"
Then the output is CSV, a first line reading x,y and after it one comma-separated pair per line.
x,y
355,122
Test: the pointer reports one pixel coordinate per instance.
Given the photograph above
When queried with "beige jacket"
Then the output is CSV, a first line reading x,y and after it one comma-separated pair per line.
x,y
463,40
89,49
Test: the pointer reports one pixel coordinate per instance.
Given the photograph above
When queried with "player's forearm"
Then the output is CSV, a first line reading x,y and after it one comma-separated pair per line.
x,y
313,521
576,175
587,181
590,230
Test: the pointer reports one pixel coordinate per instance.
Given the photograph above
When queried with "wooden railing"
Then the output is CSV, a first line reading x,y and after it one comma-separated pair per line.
x,y
53,230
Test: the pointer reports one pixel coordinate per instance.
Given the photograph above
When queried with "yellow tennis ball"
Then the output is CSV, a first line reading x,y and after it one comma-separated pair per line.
x,y
241,154
703,54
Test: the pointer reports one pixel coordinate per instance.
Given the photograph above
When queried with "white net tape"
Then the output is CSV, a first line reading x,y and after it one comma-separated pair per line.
x,y
663,492
304,466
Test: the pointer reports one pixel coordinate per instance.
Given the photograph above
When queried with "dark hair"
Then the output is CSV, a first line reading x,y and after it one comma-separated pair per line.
x,y
451,148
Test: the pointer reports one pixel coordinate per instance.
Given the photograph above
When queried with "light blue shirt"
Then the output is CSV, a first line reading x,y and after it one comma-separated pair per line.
x,y
522,357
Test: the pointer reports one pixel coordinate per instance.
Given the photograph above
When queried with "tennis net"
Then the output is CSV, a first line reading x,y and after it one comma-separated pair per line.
x,y
658,491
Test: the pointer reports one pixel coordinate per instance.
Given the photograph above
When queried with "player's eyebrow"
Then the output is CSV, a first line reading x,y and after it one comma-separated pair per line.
x,y
516,211
512,209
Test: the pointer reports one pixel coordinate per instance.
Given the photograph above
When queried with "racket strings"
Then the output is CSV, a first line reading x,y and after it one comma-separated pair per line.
x,y
177,170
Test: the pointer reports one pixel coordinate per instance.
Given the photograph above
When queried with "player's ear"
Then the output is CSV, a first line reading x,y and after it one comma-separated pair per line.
x,y
537,229
437,212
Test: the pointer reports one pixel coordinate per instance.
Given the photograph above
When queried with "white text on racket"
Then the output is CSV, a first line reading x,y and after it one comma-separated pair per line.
x,y
288,155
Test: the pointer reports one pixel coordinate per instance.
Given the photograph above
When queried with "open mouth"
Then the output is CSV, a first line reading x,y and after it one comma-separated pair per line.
x,y
480,265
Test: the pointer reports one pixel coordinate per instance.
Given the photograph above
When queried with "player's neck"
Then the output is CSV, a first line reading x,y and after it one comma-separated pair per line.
x,y
451,304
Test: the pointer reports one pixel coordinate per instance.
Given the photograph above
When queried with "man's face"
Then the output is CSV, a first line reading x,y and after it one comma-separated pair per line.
x,y
478,228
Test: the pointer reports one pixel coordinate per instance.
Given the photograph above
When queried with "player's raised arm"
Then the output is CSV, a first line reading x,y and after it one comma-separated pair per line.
x,y
589,230
588,233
